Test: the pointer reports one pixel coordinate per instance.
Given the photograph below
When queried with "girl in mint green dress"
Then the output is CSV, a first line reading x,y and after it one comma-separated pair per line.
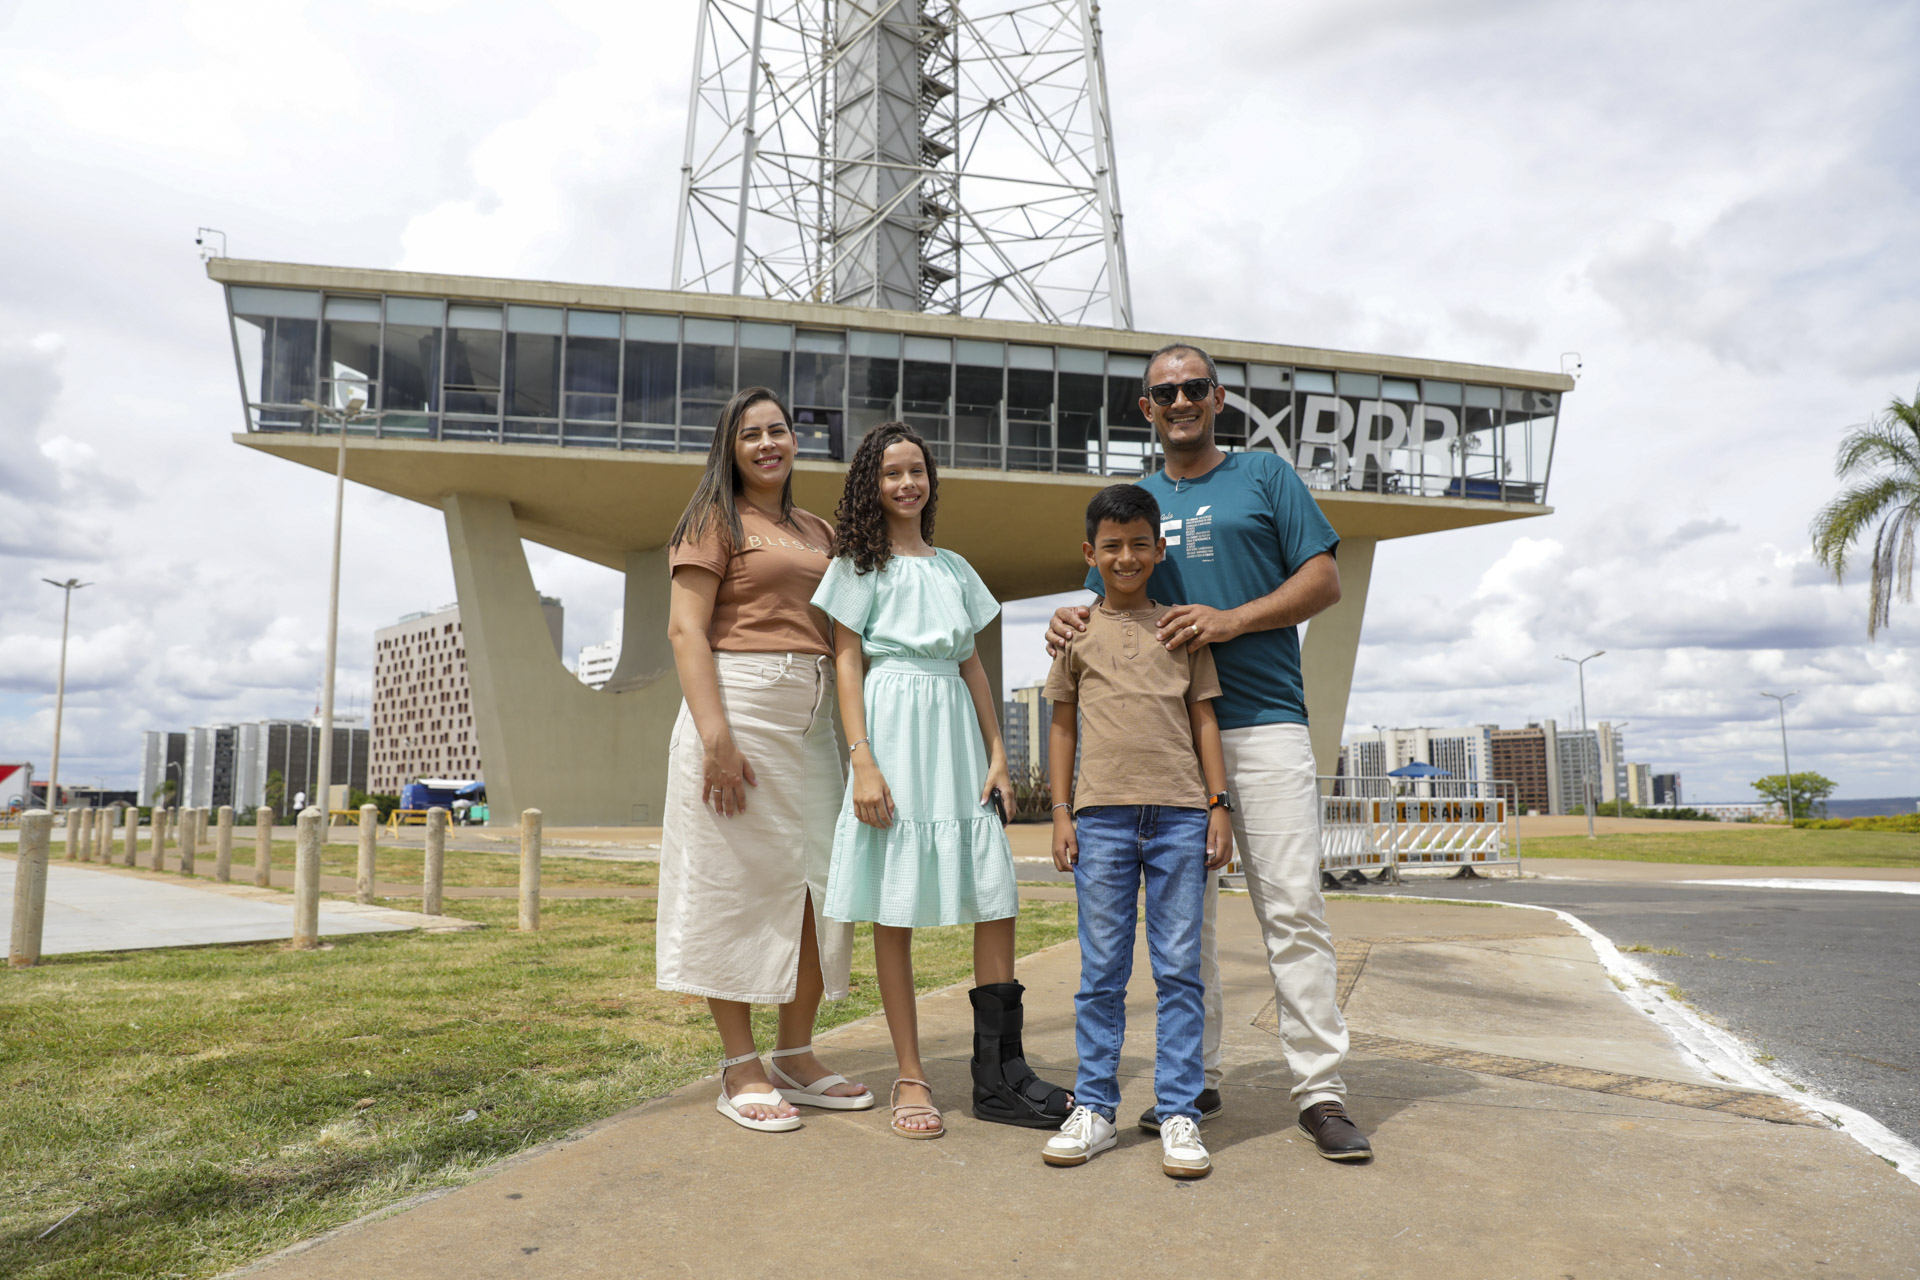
x,y
921,835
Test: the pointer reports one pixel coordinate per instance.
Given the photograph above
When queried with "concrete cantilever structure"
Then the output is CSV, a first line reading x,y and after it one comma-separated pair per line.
x,y
577,416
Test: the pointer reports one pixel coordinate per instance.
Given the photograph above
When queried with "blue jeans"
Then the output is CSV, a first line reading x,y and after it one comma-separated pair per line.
x,y
1118,844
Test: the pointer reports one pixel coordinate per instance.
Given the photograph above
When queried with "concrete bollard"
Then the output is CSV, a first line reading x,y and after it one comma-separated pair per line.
x,y
156,856
80,834
436,864
369,835
69,825
103,838
173,822
30,888
529,870
189,844
223,845
263,847
130,854
306,879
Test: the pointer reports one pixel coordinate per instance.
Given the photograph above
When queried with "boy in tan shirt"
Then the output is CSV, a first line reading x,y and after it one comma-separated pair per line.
x,y
1151,803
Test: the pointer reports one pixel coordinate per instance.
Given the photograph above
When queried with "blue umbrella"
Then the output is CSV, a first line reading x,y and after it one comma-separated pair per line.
x,y
1419,770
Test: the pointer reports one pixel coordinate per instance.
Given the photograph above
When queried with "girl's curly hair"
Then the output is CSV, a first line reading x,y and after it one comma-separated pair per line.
x,y
860,522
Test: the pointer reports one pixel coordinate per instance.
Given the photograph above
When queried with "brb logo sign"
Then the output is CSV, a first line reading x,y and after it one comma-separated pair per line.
x,y
1348,436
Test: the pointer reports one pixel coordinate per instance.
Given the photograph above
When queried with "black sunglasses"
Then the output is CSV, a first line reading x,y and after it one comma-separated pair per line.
x,y
1163,393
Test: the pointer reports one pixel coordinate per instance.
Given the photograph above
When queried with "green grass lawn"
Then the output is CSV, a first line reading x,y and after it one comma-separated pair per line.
x,y
1768,847
203,1107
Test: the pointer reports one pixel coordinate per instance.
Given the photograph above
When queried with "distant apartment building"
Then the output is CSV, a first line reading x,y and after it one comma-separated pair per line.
x,y
1465,752
1529,759
597,662
236,763
1640,785
1029,718
1666,790
422,705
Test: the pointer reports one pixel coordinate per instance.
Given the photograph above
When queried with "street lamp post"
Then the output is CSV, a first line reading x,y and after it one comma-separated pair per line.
x,y
70,586
1586,765
1785,763
341,418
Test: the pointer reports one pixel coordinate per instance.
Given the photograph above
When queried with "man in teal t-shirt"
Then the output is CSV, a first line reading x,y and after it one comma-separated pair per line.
x,y
1249,558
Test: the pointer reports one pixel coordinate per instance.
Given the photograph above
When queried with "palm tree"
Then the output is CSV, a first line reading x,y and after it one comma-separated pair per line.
x,y
1882,460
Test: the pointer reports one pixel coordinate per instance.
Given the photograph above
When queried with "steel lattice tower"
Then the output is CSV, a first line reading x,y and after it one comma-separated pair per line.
x,y
928,155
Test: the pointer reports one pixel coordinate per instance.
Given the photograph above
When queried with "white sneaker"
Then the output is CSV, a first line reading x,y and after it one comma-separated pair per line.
x,y
1085,1135
1182,1154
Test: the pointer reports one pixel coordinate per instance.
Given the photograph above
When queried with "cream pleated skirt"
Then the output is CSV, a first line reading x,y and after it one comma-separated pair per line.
x,y
732,890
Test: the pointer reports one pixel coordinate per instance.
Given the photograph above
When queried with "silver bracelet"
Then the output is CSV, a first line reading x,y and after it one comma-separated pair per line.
x,y
1063,805
863,742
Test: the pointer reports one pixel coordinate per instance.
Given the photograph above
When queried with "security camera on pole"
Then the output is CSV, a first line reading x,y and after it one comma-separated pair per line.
x,y
341,418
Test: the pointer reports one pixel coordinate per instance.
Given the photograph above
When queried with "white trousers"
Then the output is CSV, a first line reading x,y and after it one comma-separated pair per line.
x,y
1276,832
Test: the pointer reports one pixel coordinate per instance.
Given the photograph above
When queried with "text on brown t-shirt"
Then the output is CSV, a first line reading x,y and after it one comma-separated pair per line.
x,y
766,583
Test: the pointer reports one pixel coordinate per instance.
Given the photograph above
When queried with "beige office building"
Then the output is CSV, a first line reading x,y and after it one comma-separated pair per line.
x,y
422,702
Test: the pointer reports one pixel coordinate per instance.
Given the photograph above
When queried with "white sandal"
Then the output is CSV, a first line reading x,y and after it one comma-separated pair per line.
x,y
815,1094
725,1105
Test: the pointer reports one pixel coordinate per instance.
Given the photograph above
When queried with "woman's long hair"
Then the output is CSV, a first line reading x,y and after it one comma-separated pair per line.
x,y
860,522
712,504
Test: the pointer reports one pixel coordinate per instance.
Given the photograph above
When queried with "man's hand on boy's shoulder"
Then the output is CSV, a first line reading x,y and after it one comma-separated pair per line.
x,y
1219,839
1066,846
1193,625
1067,622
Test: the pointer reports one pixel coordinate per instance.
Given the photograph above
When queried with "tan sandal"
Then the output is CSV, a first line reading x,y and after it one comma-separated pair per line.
x,y
910,1110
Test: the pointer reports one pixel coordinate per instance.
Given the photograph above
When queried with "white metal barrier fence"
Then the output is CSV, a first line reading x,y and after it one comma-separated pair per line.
x,y
1383,824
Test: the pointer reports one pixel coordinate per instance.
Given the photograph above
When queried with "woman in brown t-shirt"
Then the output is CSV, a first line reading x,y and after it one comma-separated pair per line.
x,y
753,771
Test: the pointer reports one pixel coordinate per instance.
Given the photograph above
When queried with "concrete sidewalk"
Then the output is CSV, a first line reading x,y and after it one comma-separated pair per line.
x,y
1528,1122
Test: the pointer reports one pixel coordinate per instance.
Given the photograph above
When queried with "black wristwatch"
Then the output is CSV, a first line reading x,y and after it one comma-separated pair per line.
x,y
1220,800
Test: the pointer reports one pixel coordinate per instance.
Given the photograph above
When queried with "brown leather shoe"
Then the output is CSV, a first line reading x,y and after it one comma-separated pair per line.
x,y
1334,1134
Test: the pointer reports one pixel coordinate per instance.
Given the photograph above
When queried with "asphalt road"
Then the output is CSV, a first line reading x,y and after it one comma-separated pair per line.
x,y
1828,983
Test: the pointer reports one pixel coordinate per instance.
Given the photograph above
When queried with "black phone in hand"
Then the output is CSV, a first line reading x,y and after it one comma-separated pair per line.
x,y
999,803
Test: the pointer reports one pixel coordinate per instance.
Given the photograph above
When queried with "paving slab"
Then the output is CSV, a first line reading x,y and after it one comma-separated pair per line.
x,y
106,909
1479,1173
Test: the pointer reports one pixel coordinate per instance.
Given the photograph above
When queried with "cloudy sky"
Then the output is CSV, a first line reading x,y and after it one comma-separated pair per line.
x,y
1713,203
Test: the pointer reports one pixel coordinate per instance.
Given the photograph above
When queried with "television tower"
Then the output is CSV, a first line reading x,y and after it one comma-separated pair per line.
x,y
951,156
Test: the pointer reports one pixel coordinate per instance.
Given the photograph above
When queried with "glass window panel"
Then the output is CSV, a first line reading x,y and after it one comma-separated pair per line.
x,y
593,324
1230,425
1023,357
930,350
873,387
820,342
364,309
1439,392
544,321
429,313
989,354
819,371
466,316
1266,377
1078,417
760,367
1313,380
1232,373
289,304
1119,364
875,345
926,396
1030,418
1483,397
350,352
1129,434
593,380
276,353
820,433
475,347
653,328
411,380
711,333
651,379
766,337
533,373
1400,389
706,378
1358,384
1081,360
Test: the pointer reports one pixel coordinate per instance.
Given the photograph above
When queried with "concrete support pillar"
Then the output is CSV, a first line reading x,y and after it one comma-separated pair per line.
x,y
1327,655
223,845
530,870
30,888
306,880
587,756
369,834
130,854
263,847
435,867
